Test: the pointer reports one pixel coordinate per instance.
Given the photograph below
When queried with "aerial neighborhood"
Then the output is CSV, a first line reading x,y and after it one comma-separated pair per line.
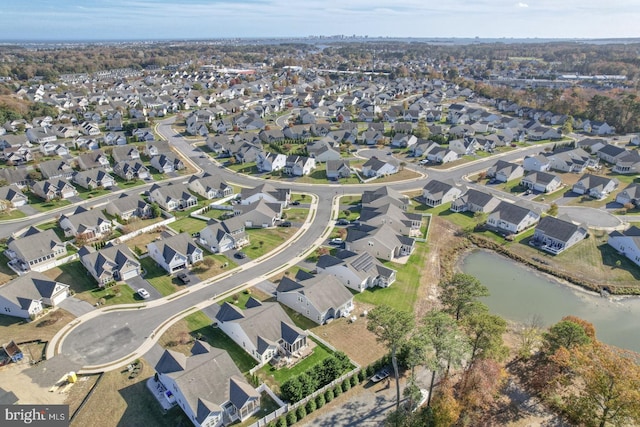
x,y
235,224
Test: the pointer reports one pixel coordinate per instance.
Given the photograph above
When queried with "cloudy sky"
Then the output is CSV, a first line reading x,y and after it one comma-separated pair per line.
x,y
199,19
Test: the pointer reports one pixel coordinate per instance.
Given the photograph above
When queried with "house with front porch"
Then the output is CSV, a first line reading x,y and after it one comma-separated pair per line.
x,y
596,186
357,271
207,385
167,163
171,197
436,193
503,171
262,329
475,201
270,162
52,189
224,236
86,224
375,168
175,253
555,235
27,295
209,186
337,169
113,263
510,218
129,207
542,182
319,298
93,178
35,249
131,169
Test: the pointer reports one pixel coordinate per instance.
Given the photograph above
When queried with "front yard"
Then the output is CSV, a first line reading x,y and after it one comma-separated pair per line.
x,y
264,240
158,277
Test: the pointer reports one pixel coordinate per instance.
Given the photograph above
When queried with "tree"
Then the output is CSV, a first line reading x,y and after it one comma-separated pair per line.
x,y
445,344
567,126
482,383
553,209
422,130
446,409
155,210
459,295
485,332
567,334
391,327
608,386
530,337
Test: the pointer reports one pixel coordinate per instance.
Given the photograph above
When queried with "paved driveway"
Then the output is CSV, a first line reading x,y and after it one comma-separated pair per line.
x,y
138,282
597,218
76,306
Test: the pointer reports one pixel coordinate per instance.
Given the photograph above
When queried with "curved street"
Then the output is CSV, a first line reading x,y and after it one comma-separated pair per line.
x,y
109,338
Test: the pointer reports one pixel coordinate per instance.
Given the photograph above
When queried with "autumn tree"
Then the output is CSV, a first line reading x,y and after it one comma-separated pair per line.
x,y
481,385
607,386
459,294
391,327
565,334
446,408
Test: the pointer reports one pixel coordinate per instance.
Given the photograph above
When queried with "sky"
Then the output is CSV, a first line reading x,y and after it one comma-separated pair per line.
x,y
203,19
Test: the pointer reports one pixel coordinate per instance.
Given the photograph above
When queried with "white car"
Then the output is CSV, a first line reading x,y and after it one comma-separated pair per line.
x,y
336,241
143,293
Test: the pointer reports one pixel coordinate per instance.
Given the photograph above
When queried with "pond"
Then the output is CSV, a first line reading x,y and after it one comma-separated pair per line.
x,y
518,293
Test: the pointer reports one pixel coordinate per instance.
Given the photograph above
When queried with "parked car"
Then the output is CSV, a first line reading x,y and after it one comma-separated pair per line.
x,y
335,241
295,202
240,255
144,294
285,224
184,277
380,375
342,221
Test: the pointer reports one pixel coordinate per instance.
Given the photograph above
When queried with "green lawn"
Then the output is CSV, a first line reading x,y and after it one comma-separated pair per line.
x,y
85,194
270,238
297,214
43,206
75,275
320,353
158,277
300,321
188,225
111,297
246,168
11,214
200,326
53,225
464,220
128,184
403,292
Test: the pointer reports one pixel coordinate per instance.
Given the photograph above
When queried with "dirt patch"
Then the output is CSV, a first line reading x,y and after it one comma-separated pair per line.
x,y
142,240
353,338
118,400
19,330
13,378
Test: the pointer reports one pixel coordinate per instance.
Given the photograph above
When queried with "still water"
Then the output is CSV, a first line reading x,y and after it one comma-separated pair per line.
x,y
518,293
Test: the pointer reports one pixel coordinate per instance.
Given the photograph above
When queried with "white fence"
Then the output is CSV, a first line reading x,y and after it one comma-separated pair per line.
x,y
146,229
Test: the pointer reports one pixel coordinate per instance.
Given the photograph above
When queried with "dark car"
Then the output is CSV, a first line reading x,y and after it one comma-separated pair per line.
x,y
342,221
184,278
295,202
285,224
240,255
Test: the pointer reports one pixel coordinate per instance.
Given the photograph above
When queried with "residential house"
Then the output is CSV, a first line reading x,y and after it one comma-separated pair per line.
x,y
52,189
85,224
113,263
375,168
464,146
51,169
402,140
267,192
503,171
322,151
125,153
94,159
175,253
270,162
555,235
299,165
631,194
131,169
247,153
35,249
372,137
27,295
337,169
262,329
209,186
319,298
441,155
207,385
537,163
542,182
626,242
475,201
155,148
11,197
259,214
93,178
127,207
591,145
115,138
630,163
383,196
597,128
171,197
224,236
573,160
595,186
436,193
611,153
357,271
511,218
167,163
401,221
381,242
